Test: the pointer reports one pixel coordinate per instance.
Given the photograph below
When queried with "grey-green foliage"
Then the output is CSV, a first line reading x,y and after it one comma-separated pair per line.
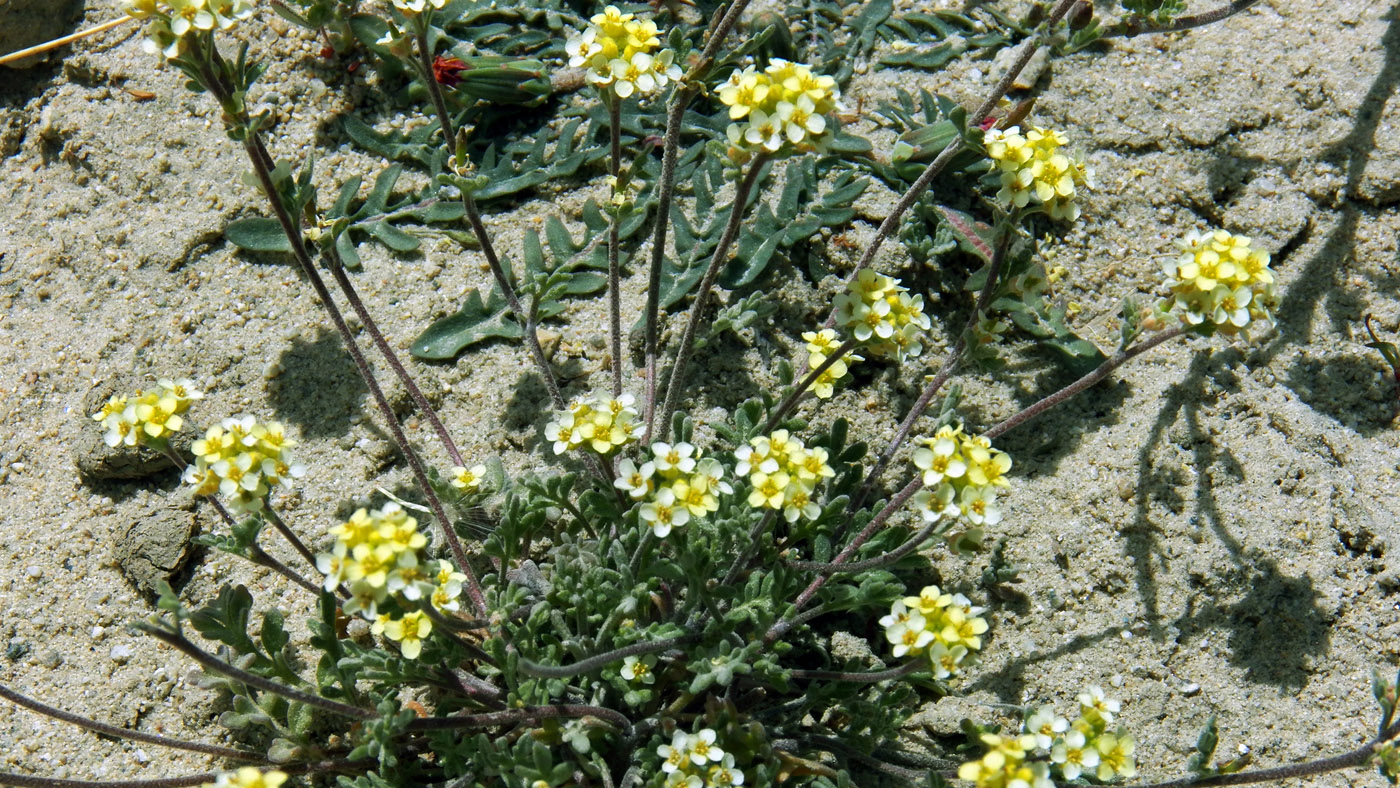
x,y
558,268
931,39
832,42
741,313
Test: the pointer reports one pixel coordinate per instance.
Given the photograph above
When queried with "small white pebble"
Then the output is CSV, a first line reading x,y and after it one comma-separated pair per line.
x,y
141,756
97,632
1191,690
33,572
121,653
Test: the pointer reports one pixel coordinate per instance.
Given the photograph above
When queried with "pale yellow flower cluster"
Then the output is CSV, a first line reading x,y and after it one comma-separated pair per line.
x,y
676,485
599,423
821,345
248,777
945,627
1220,279
695,760
783,474
961,475
1033,168
242,459
784,104
1004,765
147,416
379,556
173,20
1087,745
883,316
623,54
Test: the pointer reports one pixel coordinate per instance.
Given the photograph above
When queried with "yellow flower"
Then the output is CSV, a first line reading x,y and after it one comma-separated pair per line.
x,y
622,54
409,632
468,479
883,316
249,777
1033,169
1221,281
785,105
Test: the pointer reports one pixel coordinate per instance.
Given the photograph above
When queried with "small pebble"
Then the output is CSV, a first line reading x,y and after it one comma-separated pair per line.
x,y
51,659
33,572
122,653
1191,690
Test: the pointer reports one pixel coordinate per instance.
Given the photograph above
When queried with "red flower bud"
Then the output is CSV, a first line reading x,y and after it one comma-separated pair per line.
x,y
447,70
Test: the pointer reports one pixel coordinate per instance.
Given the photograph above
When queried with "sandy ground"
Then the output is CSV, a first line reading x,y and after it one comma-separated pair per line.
x,y
1208,533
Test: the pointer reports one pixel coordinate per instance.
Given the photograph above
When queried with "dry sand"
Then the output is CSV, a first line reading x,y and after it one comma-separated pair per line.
x,y
1207,533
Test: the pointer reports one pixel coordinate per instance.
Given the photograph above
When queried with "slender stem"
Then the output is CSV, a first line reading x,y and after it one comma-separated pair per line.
x,y
271,516
785,623
945,371
665,193
635,564
526,319
261,557
935,167
689,87
531,668
1358,757
213,663
790,401
124,733
31,781
702,298
1137,26
425,61
1101,372
347,288
742,562
528,714
891,557
907,669
614,241
260,158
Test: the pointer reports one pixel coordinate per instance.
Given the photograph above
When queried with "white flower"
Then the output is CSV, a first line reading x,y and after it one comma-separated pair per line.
x,y
634,481
1044,725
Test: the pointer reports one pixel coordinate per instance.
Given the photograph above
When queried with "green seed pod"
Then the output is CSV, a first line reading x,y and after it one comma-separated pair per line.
x,y
505,80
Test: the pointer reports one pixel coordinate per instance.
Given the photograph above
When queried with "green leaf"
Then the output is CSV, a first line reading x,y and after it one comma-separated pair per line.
x,y
257,235
226,619
976,237
274,637
476,321
393,237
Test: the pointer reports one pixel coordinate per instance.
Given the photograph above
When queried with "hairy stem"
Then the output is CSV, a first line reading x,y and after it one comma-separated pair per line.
x,y
527,319
784,624
790,401
214,664
1099,373
531,668
124,733
707,283
891,557
907,669
261,159
515,716
1138,27
614,242
1356,758
945,370
688,88
347,288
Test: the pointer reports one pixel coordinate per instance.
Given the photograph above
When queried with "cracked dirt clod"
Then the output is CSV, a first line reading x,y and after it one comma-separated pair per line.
x,y
156,547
